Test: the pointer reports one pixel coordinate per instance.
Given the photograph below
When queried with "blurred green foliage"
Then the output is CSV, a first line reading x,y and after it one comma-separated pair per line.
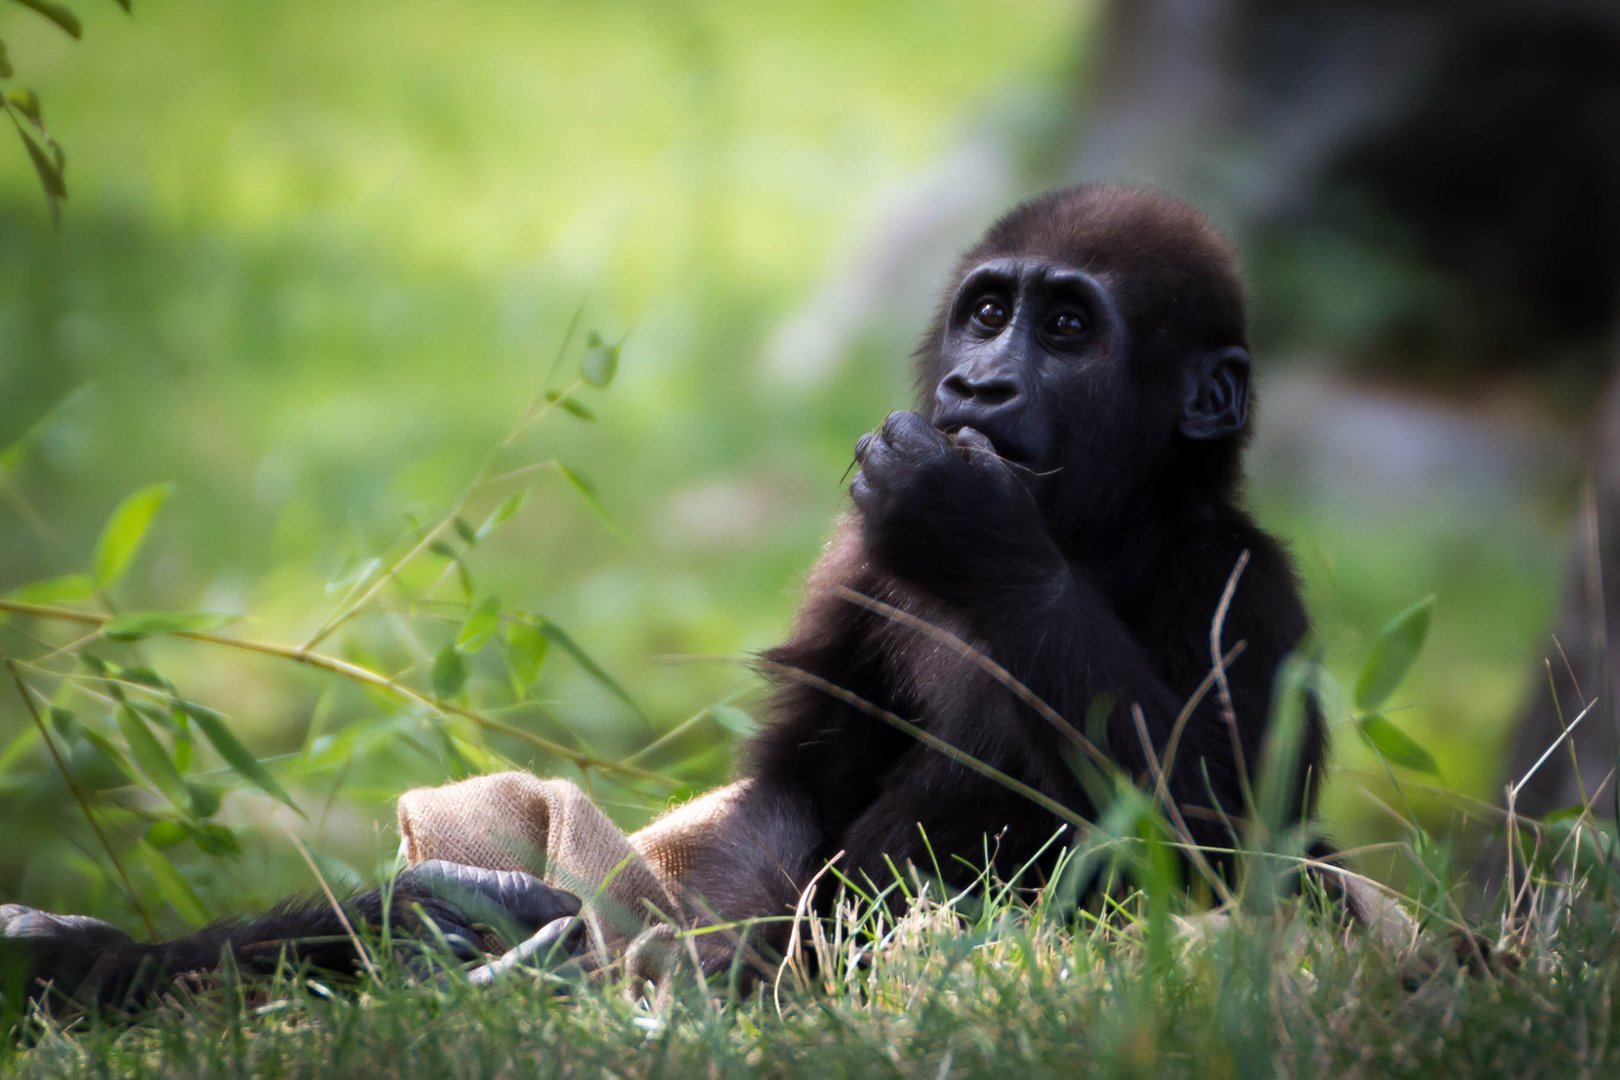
x,y
316,256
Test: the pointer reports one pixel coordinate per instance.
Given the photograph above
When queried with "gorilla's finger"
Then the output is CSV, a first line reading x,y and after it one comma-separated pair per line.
x,y
464,942
860,490
560,940
911,429
490,895
976,443
19,921
862,443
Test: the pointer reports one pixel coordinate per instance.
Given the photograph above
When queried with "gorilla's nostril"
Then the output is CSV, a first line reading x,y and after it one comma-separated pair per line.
x,y
997,393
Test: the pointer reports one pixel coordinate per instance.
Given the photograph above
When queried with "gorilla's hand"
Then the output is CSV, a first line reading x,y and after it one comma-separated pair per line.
x,y
947,514
66,951
481,911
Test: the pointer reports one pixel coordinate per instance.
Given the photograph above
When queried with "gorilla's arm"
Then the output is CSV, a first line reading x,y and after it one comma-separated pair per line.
x,y
752,868
958,522
88,961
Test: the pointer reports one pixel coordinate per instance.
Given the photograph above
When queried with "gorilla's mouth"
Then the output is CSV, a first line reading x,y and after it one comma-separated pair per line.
x,y
1004,448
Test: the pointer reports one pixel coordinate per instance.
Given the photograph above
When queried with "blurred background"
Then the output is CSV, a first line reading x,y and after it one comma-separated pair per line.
x,y
315,259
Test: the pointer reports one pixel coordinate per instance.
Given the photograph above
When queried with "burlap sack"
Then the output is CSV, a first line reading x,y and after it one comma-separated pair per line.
x,y
552,829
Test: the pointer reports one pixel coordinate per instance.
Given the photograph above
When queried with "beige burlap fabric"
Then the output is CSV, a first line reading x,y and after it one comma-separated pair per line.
x,y
552,829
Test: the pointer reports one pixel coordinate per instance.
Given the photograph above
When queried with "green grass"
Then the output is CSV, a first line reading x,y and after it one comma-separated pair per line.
x,y
962,989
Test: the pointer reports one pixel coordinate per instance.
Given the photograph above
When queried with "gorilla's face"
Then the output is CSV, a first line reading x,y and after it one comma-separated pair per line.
x,y
1036,356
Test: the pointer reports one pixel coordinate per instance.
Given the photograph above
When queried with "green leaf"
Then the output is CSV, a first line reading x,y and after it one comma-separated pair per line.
x,y
237,756
1395,745
143,624
152,759
121,537
167,833
1392,655
65,723
48,171
569,405
204,800
480,626
525,653
171,885
154,715
734,720
600,362
465,531
449,672
463,573
5,62
353,573
215,839
26,102
144,675
58,14
96,764
11,457
55,590
568,645
587,489
502,513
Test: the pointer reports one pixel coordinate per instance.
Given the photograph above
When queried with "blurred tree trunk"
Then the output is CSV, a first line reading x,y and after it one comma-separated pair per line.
x,y
1588,635
1478,139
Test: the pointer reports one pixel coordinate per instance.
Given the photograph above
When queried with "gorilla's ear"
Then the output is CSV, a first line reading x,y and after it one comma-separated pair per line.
x,y
1216,399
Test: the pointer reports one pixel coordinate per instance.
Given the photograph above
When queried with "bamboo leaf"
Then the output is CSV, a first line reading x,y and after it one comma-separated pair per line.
x,y
1397,646
204,800
213,838
152,759
571,406
135,625
65,723
449,672
166,833
734,720
171,885
525,653
237,756
600,362
480,626
586,489
122,535
58,14
26,102
1395,745
48,171
568,645
55,590
502,513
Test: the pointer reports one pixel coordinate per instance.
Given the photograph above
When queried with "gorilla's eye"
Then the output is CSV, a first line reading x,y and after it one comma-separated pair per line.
x,y
1069,324
990,314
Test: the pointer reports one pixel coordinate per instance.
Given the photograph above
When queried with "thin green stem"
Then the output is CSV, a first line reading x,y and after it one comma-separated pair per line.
x,y
356,673
79,795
